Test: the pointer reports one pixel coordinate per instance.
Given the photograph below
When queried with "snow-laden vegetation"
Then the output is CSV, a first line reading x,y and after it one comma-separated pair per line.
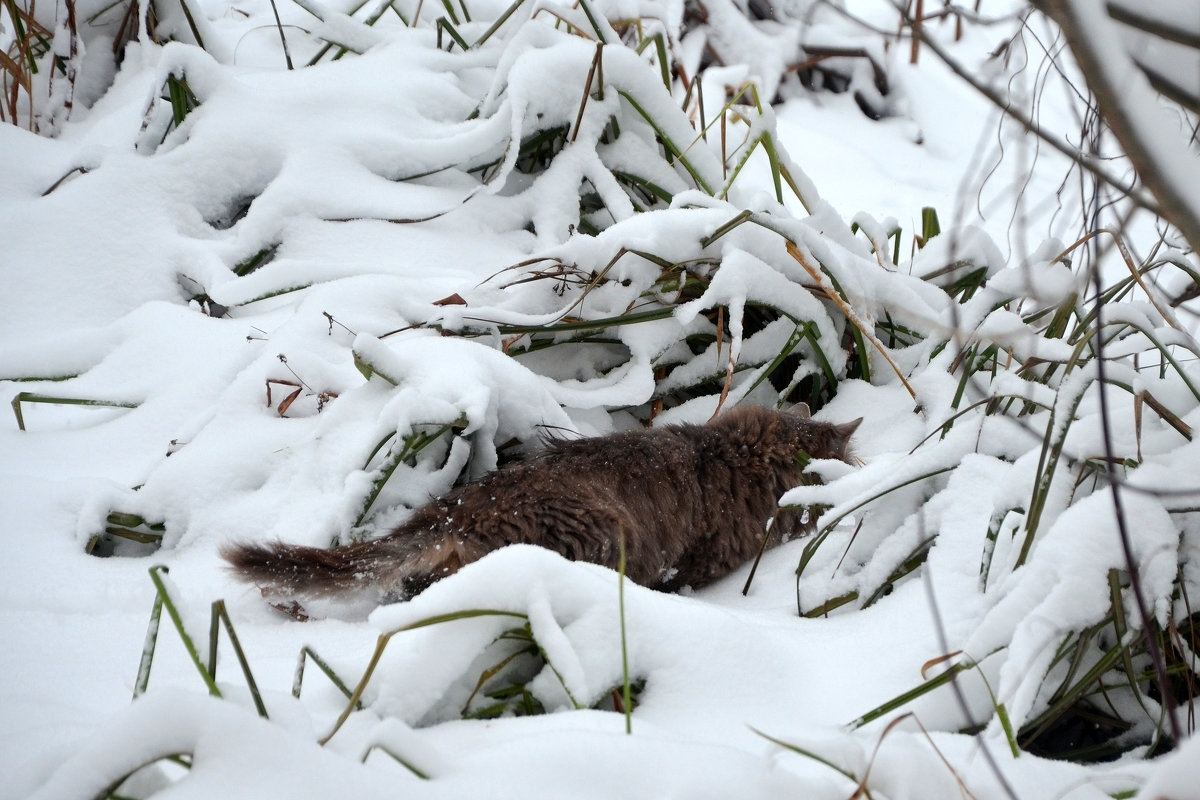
x,y
247,302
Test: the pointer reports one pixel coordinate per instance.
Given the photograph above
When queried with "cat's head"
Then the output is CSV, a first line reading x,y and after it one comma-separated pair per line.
x,y
786,436
822,439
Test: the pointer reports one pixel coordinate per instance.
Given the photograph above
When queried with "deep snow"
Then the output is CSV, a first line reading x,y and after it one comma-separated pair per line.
x,y
93,291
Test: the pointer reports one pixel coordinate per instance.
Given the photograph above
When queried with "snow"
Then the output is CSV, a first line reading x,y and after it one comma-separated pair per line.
x,y
390,302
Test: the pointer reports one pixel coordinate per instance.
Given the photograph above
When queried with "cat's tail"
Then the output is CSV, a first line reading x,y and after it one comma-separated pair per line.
x,y
392,568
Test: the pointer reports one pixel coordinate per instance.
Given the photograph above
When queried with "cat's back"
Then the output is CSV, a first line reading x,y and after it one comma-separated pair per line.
x,y
625,456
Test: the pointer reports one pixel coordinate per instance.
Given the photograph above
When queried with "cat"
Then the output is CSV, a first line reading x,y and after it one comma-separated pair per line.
x,y
693,503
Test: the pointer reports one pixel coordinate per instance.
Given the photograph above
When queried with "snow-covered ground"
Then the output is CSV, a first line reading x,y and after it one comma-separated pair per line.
x,y
360,174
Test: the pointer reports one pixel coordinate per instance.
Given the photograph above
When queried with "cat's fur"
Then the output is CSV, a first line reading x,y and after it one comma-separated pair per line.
x,y
692,502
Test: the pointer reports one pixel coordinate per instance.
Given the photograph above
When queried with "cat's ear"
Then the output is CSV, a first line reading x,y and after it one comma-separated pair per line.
x,y
801,410
844,432
847,429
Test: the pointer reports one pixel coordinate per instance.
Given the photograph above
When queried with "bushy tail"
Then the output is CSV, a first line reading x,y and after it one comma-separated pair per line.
x,y
392,568
288,570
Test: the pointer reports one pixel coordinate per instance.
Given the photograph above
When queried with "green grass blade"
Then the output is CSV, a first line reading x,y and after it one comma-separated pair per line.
x,y
1073,693
160,586
407,448
382,643
35,397
742,216
408,765
930,226
181,97
747,151
912,694
626,690
191,21
273,293
143,674
589,324
444,24
593,20
307,653
1052,447
495,26
671,146
492,672
830,605
882,493
807,754
219,613
446,4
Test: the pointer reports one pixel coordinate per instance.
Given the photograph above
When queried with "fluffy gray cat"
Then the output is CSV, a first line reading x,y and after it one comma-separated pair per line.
x,y
692,501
